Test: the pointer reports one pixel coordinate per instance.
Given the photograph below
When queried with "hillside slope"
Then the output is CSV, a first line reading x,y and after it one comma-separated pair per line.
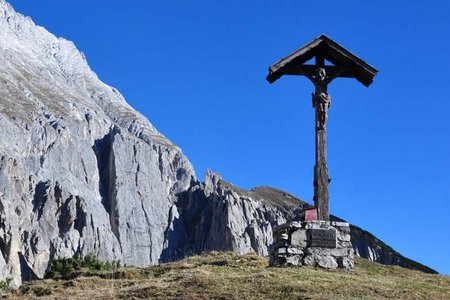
x,y
229,276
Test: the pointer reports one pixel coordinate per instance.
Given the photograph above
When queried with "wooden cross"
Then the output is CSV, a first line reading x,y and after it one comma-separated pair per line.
x,y
344,64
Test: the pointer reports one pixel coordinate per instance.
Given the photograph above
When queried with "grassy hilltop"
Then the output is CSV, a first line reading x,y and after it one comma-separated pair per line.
x,y
229,276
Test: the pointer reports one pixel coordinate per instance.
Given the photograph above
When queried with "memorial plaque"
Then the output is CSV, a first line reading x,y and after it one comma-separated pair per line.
x,y
325,238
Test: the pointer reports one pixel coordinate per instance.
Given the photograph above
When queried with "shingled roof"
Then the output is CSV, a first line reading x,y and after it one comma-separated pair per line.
x,y
328,49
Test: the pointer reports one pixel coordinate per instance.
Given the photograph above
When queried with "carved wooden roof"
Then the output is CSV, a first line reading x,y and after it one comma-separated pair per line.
x,y
348,64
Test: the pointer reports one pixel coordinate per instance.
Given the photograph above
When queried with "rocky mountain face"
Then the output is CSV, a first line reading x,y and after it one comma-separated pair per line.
x,y
83,172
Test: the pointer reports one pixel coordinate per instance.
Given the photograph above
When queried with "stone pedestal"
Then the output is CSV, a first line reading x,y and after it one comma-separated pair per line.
x,y
313,243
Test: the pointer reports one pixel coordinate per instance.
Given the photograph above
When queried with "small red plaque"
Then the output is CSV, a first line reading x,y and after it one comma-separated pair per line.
x,y
311,214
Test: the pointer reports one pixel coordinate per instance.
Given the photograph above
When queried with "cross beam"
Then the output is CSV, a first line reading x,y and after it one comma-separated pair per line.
x,y
310,70
345,65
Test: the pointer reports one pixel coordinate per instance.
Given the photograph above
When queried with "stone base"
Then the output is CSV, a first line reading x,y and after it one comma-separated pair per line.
x,y
313,243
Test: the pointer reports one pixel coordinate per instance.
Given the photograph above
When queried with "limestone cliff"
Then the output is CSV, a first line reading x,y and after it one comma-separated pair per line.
x,y
83,172
80,170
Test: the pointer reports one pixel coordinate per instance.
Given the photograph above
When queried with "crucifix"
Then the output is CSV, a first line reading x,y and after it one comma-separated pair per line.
x,y
342,64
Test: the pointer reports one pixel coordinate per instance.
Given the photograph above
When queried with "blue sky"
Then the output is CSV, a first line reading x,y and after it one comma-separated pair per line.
x,y
197,70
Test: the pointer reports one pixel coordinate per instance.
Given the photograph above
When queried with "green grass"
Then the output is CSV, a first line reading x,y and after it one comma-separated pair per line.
x,y
229,276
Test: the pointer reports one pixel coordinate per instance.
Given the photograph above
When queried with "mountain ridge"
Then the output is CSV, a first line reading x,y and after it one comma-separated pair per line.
x,y
365,244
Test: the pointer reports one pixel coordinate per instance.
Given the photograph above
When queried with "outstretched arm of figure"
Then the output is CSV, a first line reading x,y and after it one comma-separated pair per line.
x,y
334,76
307,75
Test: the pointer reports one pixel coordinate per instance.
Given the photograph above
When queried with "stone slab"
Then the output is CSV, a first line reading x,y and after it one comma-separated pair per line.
x,y
293,250
327,262
298,238
317,225
287,226
340,224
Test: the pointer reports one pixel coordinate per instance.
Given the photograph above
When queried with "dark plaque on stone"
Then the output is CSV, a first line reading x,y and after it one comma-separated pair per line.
x,y
325,238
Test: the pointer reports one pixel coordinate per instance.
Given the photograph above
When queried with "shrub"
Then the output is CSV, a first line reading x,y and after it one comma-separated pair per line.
x,y
4,285
66,267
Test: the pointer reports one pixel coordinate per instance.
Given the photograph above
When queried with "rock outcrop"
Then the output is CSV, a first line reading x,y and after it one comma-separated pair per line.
x,y
82,172
216,215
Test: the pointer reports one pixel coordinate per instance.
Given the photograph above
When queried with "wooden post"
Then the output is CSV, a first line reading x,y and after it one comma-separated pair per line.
x,y
321,103
321,177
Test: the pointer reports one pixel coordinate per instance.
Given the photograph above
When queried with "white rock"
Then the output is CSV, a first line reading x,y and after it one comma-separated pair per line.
x,y
327,262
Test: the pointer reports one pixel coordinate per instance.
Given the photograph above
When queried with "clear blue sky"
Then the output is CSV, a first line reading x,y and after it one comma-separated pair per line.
x,y
197,70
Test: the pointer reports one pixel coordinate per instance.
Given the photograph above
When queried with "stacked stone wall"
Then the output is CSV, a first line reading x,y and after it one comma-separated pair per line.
x,y
315,244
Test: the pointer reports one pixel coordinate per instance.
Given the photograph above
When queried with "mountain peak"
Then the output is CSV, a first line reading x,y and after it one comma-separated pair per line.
x,y
56,66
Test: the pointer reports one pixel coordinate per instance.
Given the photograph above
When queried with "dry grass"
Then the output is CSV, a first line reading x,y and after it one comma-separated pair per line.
x,y
228,276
